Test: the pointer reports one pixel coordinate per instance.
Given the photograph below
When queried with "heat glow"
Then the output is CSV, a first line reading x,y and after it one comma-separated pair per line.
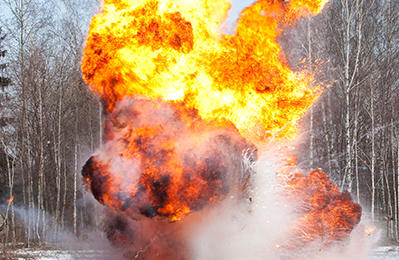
x,y
325,212
174,51
186,107
162,160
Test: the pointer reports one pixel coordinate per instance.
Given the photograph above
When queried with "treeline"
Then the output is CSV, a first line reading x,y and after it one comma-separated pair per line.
x,y
50,122
352,132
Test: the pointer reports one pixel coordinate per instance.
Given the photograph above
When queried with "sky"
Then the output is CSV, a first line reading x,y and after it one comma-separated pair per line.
x,y
228,27
237,7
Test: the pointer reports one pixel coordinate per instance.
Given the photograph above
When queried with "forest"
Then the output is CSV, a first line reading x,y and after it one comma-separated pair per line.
x,y
51,122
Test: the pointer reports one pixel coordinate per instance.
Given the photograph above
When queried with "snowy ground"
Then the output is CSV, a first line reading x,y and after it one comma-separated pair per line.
x,y
380,253
60,255
386,253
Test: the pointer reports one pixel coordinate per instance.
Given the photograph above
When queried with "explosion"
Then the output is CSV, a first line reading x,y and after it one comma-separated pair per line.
x,y
173,50
186,107
163,160
326,212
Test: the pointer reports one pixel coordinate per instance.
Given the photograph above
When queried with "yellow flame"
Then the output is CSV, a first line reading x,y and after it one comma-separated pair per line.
x,y
370,230
171,49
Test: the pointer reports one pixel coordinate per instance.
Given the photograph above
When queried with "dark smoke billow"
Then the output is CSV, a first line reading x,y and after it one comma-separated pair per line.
x,y
162,168
162,160
180,182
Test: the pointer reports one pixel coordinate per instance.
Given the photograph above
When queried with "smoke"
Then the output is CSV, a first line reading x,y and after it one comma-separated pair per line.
x,y
256,224
163,160
181,186
245,229
263,228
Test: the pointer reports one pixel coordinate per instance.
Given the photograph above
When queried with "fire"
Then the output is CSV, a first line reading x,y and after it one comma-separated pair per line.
x,y
11,199
183,103
325,211
162,160
173,50
370,230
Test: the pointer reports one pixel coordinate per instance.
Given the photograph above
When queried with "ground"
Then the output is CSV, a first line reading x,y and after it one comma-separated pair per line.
x,y
386,253
380,253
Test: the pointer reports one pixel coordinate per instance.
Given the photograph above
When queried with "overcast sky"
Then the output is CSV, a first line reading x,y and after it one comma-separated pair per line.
x,y
235,10
238,5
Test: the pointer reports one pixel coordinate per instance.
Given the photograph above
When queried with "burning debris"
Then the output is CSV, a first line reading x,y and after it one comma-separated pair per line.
x,y
184,102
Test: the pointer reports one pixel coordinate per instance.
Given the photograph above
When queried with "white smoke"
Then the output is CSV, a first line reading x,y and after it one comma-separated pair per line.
x,y
259,229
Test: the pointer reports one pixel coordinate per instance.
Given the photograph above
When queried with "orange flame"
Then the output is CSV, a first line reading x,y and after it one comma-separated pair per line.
x,y
325,211
163,161
11,199
180,96
173,50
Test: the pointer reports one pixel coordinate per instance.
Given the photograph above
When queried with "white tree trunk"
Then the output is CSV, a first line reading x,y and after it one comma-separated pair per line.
x,y
327,137
311,108
57,155
372,153
75,188
355,147
40,183
10,202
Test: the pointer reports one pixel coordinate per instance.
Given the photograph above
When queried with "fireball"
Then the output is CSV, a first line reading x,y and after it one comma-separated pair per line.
x,y
185,104
174,51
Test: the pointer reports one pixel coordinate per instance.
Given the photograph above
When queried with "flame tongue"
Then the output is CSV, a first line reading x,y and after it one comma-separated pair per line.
x,y
163,160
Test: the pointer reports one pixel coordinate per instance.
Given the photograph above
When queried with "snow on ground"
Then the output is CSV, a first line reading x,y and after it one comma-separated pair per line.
x,y
61,255
379,253
386,253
